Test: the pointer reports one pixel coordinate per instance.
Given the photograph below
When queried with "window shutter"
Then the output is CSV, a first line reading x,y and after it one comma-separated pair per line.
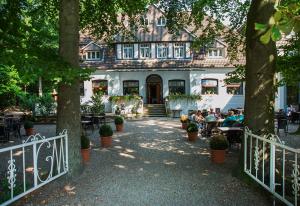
x,y
153,51
188,50
136,51
119,51
170,55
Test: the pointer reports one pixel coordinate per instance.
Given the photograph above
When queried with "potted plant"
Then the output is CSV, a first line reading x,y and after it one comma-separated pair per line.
x,y
119,122
106,135
184,121
218,145
192,130
28,126
85,148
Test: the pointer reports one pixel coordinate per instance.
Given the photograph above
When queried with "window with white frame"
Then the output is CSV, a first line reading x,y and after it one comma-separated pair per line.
x,y
131,87
176,86
162,50
216,53
92,55
235,89
179,50
209,86
145,51
161,21
127,51
144,20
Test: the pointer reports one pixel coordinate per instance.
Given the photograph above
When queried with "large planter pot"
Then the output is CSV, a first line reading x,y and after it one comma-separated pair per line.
x,y
184,125
119,127
218,156
29,131
85,153
106,141
192,136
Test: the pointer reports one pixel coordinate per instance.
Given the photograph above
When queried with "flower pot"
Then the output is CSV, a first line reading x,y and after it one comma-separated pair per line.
x,y
29,131
85,153
184,125
218,156
192,136
106,141
119,127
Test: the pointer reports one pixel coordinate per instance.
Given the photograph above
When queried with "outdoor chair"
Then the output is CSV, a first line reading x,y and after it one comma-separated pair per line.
x,y
282,124
208,127
295,117
234,137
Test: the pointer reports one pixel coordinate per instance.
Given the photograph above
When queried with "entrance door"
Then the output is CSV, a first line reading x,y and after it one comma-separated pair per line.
x,y
154,89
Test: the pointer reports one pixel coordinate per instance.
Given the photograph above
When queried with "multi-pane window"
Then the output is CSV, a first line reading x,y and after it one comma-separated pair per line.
x,y
179,50
144,20
209,86
176,86
162,50
131,87
235,89
145,51
100,86
127,51
161,21
216,53
92,55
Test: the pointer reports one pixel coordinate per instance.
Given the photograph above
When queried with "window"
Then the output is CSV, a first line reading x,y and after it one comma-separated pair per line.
x,y
81,88
100,86
93,55
145,51
127,51
131,87
161,21
235,89
216,53
144,20
176,87
179,50
209,86
162,50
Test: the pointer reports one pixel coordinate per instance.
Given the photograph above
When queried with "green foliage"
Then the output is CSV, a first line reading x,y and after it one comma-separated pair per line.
x,y
5,191
85,142
119,120
218,142
192,127
125,98
105,131
191,97
236,76
97,105
46,104
28,124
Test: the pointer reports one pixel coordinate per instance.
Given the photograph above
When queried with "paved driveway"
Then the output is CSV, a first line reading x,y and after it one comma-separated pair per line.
x,y
151,163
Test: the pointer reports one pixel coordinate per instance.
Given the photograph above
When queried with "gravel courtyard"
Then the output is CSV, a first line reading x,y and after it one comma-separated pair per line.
x,y
151,163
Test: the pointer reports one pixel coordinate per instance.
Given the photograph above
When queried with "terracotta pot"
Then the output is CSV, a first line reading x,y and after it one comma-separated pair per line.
x,y
106,141
119,127
184,125
218,156
29,131
192,136
85,153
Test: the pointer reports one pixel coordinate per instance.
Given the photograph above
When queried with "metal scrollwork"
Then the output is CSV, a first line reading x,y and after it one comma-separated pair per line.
x,y
11,173
256,158
295,179
33,138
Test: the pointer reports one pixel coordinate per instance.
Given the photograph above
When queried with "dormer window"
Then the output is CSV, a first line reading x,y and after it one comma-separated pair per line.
x,y
162,50
92,56
145,51
216,53
144,20
128,51
161,21
179,50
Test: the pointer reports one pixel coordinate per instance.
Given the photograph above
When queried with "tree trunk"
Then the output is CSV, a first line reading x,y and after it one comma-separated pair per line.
x,y
68,110
260,71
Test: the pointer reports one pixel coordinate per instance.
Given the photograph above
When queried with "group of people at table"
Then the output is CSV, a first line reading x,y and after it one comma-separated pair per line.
x,y
234,118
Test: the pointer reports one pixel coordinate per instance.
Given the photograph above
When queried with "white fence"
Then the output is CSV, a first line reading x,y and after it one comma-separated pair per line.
x,y
30,165
273,165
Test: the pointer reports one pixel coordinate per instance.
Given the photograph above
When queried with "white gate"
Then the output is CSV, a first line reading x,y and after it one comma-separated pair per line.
x,y
30,165
273,165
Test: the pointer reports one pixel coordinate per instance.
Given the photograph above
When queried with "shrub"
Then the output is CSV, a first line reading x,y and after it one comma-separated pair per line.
x,y
105,131
184,119
218,142
192,127
119,120
28,124
85,142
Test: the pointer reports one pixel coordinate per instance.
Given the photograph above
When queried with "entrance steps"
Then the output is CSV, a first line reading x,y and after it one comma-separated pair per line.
x,y
154,110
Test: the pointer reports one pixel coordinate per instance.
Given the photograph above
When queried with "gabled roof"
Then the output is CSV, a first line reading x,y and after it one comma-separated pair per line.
x,y
91,46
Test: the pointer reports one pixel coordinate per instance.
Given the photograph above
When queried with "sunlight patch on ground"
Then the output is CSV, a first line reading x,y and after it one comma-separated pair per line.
x,y
29,169
166,162
118,147
70,190
127,155
147,162
18,153
121,166
205,173
129,150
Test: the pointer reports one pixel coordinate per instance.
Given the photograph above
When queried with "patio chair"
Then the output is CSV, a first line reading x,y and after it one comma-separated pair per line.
x,y
282,124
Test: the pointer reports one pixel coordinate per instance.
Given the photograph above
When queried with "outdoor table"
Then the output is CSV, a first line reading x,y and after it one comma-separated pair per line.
x,y
232,134
85,124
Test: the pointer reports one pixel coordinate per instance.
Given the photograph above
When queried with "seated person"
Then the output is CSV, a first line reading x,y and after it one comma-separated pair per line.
x,y
230,119
198,118
240,117
210,117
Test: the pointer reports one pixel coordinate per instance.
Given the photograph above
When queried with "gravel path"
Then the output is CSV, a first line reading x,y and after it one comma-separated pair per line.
x,y
151,163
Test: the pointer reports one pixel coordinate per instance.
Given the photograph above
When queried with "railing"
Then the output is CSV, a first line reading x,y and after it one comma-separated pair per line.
x,y
273,165
31,165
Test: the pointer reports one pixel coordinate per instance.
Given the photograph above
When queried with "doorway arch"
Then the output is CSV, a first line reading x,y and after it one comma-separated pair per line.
x,y
154,89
